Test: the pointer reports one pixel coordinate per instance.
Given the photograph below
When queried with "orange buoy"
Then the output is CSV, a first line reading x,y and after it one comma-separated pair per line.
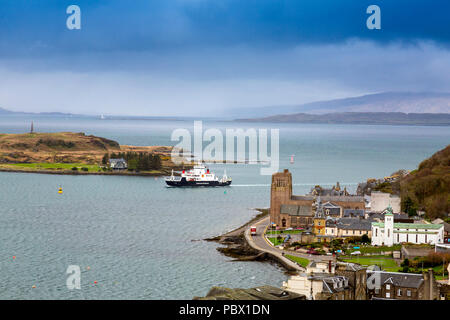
x,y
95,282
14,257
33,286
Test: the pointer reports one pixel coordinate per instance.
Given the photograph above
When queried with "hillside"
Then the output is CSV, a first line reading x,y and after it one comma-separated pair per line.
x,y
66,148
54,147
428,187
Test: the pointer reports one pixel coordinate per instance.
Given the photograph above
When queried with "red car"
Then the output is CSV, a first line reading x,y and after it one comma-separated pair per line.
x,y
312,251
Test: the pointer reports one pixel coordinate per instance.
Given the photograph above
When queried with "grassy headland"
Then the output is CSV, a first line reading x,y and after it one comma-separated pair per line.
x,y
69,153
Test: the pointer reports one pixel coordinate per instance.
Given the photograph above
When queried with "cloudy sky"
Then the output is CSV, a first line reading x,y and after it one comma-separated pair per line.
x,y
191,57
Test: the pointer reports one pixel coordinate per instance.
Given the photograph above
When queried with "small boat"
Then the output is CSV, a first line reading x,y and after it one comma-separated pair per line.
x,y
199,176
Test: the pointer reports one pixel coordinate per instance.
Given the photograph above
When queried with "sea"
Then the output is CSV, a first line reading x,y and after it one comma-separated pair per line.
x,y
134,238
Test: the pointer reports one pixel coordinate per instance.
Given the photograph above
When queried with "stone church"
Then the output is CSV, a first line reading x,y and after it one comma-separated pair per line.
x,y
291,211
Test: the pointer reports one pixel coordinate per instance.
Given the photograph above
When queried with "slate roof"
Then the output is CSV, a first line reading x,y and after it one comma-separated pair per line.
x,y
446,227
331,198
335,284
353,213
398,279
354,224
350,266
295,210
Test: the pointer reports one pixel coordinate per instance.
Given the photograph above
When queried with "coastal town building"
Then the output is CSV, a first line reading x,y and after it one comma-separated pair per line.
x,y
291,211
319,219
328,281
398,217
118,164
402,286
354,213
388,233
320,283
332,210
379,201
348,227
353,227
333,191
411,252
357,278
446,232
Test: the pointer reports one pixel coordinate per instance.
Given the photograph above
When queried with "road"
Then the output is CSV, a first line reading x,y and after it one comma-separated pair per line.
x,y
259,242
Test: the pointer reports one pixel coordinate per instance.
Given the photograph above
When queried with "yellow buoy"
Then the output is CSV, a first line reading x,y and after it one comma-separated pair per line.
x,y
60,190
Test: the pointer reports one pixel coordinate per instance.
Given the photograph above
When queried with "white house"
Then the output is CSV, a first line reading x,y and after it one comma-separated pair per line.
x,y
381,200
388,233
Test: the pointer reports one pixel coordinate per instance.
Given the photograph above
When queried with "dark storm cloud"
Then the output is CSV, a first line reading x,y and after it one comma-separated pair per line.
x,y
204,56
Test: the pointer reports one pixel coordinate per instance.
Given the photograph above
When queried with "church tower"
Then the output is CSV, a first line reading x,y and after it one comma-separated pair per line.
x,y
280,193
389,227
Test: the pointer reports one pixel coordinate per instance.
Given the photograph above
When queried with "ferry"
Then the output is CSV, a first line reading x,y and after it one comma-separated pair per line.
x,y
199,176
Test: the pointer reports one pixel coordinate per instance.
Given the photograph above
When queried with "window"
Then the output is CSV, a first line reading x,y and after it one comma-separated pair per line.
x,y
388,287
388,295
408,293
399,292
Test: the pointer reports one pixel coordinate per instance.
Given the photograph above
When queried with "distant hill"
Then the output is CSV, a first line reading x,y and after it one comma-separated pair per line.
x,y
406,102
5,111
393,118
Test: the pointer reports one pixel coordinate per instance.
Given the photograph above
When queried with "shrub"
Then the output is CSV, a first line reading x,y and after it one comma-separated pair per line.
x,y
74,169
84,169
405,263
365,238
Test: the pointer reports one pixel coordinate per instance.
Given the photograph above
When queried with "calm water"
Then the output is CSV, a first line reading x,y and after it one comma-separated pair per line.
x,y
138,237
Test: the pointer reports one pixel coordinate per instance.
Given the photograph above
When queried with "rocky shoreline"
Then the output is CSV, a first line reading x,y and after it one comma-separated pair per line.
x,y
80,173
235,245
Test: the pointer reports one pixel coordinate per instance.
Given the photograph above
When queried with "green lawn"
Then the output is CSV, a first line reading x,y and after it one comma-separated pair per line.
x,y
301,261
284,232
387,264
275,241
55,166
374,249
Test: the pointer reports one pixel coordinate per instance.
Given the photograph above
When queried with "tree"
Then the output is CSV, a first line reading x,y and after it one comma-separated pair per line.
x,y
405,263
365,238
105,159
156,162
409,206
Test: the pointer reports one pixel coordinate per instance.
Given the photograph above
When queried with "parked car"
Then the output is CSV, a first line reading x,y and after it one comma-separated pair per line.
x,y
312,251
